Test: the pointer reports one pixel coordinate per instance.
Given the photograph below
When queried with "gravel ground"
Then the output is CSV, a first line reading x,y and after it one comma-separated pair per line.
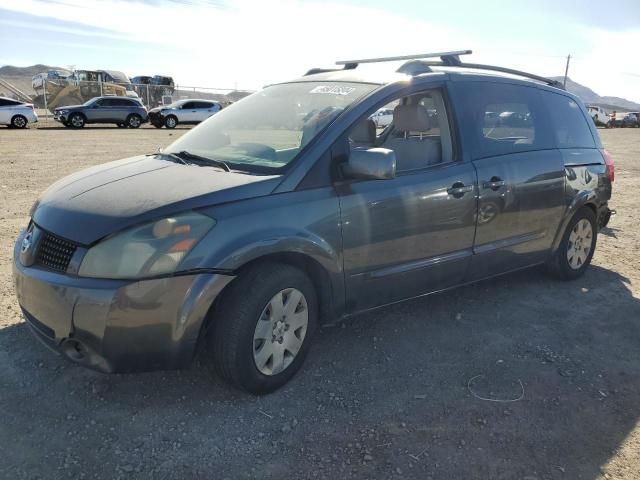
x,y
396,393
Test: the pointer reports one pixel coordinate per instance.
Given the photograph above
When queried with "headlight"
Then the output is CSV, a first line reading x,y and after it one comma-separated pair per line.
x,y
155,248
63,112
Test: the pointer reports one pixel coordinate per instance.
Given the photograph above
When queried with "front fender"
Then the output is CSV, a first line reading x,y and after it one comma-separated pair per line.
x,y
304,223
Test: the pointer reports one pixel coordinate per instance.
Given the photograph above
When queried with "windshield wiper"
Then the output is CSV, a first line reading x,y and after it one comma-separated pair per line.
x,y
175,157
192,156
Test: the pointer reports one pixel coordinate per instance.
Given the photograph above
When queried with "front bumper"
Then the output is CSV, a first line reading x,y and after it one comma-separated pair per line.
x,y
59,117
156,118
113,325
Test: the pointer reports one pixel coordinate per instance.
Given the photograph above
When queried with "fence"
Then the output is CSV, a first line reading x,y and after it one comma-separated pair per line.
x,y
49,94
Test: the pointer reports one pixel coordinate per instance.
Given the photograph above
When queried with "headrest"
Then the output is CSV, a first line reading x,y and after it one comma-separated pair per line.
x,y
364,132
411,118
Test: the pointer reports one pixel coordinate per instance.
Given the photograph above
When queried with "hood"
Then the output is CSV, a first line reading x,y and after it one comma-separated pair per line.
x,y
69,107
91,204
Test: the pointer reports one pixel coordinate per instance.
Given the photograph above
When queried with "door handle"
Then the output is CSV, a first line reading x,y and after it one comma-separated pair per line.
x,y
458,189
494,184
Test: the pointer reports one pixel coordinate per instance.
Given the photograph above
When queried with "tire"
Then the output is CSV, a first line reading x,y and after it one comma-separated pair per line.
x,y
19,121
238,348
157,125
134,121
76,120
171,121
570,262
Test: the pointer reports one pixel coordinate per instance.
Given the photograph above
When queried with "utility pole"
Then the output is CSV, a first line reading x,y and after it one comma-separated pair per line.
x,y
566,71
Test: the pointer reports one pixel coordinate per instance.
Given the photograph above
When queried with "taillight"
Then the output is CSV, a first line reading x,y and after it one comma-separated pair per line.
x,y
608,160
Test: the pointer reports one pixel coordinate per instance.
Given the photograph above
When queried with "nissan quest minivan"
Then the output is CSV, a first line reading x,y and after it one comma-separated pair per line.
x,y
291,206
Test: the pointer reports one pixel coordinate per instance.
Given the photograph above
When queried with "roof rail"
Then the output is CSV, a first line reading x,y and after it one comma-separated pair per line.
x,y
493,68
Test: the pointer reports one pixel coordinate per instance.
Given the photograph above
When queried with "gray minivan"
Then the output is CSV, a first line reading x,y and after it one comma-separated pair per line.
x,y
291,206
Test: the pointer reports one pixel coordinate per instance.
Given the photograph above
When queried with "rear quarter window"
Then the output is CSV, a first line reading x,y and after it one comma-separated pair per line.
x,y
502,118
570,126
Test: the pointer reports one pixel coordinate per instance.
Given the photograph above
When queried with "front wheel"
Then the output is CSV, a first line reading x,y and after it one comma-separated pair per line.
x,y
77,120
578,244
263,328
171,122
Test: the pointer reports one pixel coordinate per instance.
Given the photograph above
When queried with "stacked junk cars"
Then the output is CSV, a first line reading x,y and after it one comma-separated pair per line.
x,y
78,97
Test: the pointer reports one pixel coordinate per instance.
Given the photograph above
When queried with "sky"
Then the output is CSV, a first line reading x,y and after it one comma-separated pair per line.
x,y
251,43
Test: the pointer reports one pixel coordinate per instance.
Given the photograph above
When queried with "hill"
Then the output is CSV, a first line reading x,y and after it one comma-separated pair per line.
x,y
592,98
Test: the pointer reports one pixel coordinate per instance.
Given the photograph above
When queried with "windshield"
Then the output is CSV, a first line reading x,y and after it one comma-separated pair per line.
x,y
265,131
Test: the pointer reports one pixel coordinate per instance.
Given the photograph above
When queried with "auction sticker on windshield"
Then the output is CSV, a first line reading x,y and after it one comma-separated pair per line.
x,y
333,89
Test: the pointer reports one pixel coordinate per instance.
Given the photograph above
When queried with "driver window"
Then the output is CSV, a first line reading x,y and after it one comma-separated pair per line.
x,y
416,128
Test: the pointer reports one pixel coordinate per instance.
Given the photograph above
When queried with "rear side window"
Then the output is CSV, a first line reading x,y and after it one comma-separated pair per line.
x,y
123,102
501,118
570,126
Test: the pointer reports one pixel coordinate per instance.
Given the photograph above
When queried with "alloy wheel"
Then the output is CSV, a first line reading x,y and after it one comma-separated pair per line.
x,y
19,122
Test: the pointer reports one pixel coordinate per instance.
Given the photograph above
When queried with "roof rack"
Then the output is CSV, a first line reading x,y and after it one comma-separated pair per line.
x,y
416,66
447,57
444,56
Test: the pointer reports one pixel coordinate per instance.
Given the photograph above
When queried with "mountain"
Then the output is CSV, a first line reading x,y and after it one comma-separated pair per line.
x,y
11,71
590,97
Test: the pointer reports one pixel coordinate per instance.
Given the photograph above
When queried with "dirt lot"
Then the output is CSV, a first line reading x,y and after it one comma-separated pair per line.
x,y
385,395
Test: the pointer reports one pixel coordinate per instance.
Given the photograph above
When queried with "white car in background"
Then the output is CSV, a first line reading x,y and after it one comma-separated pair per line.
x,y
598,114
16,114
189,111
382,118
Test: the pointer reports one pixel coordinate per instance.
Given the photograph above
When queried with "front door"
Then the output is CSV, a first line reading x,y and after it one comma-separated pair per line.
x,y
414,233
188,112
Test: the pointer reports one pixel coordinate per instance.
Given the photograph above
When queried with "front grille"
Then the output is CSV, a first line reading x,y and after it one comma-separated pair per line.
x,y
54,252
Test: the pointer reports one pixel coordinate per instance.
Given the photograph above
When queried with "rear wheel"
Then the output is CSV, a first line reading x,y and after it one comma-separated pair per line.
x,y
19,121
134,121
263,328
578,244
77,120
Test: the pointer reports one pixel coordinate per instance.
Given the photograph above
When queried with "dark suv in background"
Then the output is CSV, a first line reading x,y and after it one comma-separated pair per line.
x,y
123,111
291,206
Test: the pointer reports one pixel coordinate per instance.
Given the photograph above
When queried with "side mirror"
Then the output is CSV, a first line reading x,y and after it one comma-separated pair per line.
x,y
372,164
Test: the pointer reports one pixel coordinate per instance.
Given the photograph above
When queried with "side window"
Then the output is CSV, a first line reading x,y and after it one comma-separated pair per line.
x,y
416,128
570,126
124,102
501,118
188,105
107,102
